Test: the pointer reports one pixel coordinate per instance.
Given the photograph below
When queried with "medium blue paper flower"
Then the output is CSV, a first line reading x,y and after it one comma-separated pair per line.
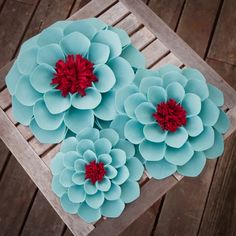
x,y
95,174
173,116
68,74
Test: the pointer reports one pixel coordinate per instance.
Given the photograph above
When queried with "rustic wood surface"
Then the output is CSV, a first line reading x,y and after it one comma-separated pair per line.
x,y
200,206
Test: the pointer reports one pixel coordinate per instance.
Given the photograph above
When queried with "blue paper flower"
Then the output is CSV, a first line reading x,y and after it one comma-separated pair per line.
x,y
67,74
173,116
95,174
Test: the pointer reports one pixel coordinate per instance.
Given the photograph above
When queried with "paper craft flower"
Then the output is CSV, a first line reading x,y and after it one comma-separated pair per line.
x,y
173,116
95,174
67,74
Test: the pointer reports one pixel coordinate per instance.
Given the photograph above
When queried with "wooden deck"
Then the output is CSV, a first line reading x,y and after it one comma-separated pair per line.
x,y
202,206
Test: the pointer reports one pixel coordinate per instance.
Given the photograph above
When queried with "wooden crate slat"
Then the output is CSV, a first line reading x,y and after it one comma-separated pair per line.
x,y
169,59
5,99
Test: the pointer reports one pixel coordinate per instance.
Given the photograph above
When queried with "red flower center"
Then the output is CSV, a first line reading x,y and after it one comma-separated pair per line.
x,y
170,115
73,75
95,171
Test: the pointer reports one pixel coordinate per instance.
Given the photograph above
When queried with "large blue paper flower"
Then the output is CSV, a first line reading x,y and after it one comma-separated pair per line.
x,y
68,73
95,174
173,116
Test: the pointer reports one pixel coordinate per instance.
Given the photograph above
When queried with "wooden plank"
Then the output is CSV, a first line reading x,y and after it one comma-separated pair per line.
x,y
5,99
179,47
4,155
169,59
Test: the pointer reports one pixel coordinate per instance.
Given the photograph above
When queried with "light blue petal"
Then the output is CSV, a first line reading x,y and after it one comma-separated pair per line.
x,y
216,95
191,73
69,206
98,53
105,158
44,118
135,168
102,146
106,109
21,113
57,188
69,144
133,131
156,95
154,133
122,175
50,54
89,187
66,178
97,23
204,140
70,158
148,82
179,156
160,169
194,126
76,120
111,172
76,194
209,113
111,135
118,124
75,43
223,123
26,61
127,147
86,145
103,185
90,101
106,78
123,72
56,164
194,167
61,24
168,68
48,136
25,93
102,124
79,165
96,200
110,39
78,178
122,95
89,214
174,76
30,43
138,154
41,78
112,209
88,133
152,151
130,191
175,91
124,37
50,35
141,73
191,104
144,113
134,57
218,147
118,157
113,193
55,102
178,138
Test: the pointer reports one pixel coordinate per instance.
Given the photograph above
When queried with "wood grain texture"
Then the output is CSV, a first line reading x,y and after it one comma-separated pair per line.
x,y
4,155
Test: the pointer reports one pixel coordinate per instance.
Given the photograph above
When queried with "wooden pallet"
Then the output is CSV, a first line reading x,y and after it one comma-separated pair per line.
x,y
160,45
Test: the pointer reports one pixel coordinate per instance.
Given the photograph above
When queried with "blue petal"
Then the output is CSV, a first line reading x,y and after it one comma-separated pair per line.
x,y
79,165
76,120
194,167
118,124
102,146
194,126
124,37
154,133
69,206
113,193
118,158
175,91
56,164
144,113
89,187
57,188
111,135
174,76
66,178
88,133
69,144
152,151
167,68
160,169
130,191
30,43
97,23
216,95
103,185
89,214
78,178
178,138
75,43
156,95
111,172
135,168
223,123
98,53
112,209
141,73
191,73
70,158
191,104
76,194
96,200
122,175
50,35
105,158
127,147
148,82
85,148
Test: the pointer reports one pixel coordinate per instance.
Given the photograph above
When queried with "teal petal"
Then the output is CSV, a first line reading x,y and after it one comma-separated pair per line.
x,y
102,146
141,73
154,133
88,133
118,157
112,209
50,35
96,200
61,24
168,68
209,113
133,131
178,138
111,172
70,158
25,93
216,95
76,119
44,118
89,214
89,155
56,164
148,82
69,144
110,135
124,37
127,147
30,43
57,188
98,53
175,91
89,187
118,124
103,185
76,194
194,126
204,140
174,76
79,165
69,206
194,167
191,73
122,175
223,123
50,54
135,168
70,45
191,104
22,114
110,39
105,158
48,136
144,113
130,191
90,101
85,145
160,169
78,178
152,151
179,156
106,78
113,193
97,23
156,95
66,178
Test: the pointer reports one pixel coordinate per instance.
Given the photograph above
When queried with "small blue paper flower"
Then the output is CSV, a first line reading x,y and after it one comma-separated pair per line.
x,y
173,116
95,174
68,74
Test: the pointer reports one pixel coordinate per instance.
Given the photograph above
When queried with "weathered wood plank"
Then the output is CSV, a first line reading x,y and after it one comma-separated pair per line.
x,y
4,155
